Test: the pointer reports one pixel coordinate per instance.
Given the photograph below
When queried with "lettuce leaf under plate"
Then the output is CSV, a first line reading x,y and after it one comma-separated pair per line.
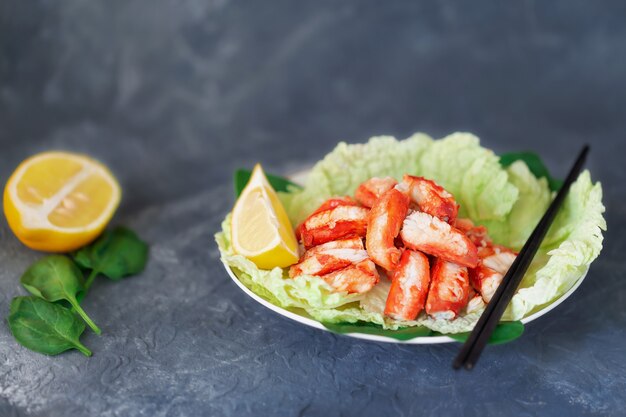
x,y
509,201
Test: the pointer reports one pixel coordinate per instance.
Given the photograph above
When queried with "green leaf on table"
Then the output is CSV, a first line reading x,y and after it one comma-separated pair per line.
x,y
116,254
242,176
55,278
505,332
45,327
535,165
15,304
405,333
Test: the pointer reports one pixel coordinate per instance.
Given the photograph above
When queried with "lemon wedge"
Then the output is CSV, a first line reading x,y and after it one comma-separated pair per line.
x,y
261,230
60,201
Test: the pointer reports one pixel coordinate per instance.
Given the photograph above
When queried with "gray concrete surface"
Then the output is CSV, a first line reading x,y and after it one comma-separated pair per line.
x,y
174,96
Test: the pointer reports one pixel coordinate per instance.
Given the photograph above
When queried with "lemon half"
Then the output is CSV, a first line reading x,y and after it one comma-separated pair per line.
x,y
60,201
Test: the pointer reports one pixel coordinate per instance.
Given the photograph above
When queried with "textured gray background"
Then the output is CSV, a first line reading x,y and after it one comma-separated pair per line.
x,y
173,95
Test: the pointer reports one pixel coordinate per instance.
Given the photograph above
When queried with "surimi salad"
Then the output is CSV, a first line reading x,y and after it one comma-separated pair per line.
x,y
414,232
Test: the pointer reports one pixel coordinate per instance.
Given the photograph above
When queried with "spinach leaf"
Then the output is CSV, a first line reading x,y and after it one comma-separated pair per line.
x,y
504,332
535,165
15,304
405,333
56,278
116,254
242,176
45,327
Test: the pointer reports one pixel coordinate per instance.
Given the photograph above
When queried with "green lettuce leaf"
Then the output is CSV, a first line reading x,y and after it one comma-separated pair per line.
x,y
275,286
509,201
472,174
572,243
533,200
535,165
347,166
482,189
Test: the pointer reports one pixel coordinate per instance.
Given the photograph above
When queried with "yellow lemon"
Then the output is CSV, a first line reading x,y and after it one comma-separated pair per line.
x,y
261,230
60,201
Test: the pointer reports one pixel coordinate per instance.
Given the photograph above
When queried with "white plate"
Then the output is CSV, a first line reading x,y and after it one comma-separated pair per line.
x,y
420,340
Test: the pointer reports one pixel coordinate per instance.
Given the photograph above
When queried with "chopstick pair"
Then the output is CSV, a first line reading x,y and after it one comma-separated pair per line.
x,y
478,338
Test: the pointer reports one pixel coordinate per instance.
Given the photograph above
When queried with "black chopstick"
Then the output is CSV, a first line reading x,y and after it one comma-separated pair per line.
x,y
478,338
